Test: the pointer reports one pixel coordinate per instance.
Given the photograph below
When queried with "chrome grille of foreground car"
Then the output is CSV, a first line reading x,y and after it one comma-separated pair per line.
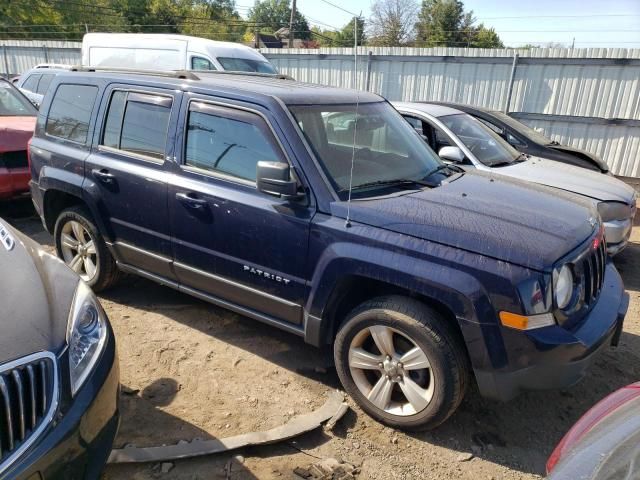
x,y
28,400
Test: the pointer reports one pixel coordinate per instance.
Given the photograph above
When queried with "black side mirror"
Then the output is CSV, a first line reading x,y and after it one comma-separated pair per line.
x,y
274,178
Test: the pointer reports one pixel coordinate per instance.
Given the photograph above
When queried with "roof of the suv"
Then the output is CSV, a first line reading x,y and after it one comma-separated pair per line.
x,y
289,91
430,108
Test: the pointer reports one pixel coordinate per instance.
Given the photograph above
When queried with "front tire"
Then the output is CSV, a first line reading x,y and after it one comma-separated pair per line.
x,y
401,362
80,245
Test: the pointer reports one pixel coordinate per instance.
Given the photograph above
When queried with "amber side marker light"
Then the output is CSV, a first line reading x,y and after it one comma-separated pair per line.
x,y
526,322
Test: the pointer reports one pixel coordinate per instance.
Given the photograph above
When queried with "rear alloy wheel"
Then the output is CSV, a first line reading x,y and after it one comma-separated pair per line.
x,y
80,245
79,250
401,362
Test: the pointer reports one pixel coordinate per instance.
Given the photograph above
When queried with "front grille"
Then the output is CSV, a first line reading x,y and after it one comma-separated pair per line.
x,y
16,159
592,269
28,397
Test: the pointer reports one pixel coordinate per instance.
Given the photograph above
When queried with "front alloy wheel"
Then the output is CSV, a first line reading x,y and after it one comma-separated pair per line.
x,y
403,363
391,370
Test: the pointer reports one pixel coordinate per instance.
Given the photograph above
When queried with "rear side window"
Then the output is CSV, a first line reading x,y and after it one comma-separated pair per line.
x,y
45,81
70,112
31,83
228,142
138,123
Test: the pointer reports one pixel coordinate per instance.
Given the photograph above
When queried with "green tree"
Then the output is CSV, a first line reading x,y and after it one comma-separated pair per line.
x,y
217,19
346,35
446,23
272,15
392,22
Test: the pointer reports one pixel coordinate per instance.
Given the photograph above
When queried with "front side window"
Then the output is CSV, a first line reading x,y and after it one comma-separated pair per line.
x,y
234,64
228,142
386,148
137,123
200,63
487,146
70,112
13,103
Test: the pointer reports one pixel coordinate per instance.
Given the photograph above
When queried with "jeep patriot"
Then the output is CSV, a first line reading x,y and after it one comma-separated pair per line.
x,y
320,211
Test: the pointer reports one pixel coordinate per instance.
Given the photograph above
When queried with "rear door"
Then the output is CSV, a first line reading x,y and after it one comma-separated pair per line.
x,y
125,173
231,241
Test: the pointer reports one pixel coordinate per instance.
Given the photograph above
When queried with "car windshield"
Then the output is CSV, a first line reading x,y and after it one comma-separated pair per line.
x,y
246,65
487,146
388,152
13,103
528,132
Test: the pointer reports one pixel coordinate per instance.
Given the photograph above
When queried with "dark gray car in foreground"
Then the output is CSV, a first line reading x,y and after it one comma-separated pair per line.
x,y
59,378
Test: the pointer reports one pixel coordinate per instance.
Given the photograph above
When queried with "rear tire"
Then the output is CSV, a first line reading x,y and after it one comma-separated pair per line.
x,y
401,362
80,245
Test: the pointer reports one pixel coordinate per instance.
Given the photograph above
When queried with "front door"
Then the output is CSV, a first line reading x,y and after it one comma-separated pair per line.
x,y
127,174
231,241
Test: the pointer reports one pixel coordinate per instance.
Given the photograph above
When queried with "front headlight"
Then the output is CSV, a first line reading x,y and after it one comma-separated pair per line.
x,y
86,335
613,211
562,286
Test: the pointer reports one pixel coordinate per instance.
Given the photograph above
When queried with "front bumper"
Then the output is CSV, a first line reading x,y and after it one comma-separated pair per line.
x,y
549,357
617,233
78,443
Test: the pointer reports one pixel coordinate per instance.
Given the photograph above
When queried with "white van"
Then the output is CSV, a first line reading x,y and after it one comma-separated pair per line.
x,y
169,52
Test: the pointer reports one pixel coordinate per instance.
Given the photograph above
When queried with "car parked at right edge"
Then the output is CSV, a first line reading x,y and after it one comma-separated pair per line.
x,y
463,140
239,189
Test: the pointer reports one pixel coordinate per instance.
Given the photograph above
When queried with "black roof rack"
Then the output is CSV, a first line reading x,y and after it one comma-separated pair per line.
x,y
185,74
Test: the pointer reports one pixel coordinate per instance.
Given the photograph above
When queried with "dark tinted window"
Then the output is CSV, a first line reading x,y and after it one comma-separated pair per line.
x,y
31,83
199,63
45,81
113,125
246,65
232,146
144,129
70,112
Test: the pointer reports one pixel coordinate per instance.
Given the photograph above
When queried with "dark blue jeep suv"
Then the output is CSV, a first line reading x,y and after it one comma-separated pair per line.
x,y
320,211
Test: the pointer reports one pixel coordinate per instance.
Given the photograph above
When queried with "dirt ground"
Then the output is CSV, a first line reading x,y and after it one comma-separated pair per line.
x,y
193,370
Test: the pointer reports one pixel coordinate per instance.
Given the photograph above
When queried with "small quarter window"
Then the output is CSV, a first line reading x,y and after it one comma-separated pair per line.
x,y
70,112
200,63
31,83
231,146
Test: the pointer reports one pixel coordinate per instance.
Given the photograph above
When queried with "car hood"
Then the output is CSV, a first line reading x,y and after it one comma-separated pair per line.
x,y
597,160
567,177
509,220
36,292
15,132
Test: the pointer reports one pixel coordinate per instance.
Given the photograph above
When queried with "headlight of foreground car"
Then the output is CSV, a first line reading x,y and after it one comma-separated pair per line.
x,y
562,286
86,335
613,211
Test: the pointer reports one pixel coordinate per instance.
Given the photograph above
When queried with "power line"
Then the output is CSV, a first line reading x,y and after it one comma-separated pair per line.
x,y
340,8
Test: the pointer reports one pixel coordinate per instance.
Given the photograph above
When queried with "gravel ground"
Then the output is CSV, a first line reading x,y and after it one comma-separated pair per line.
x,y
192,370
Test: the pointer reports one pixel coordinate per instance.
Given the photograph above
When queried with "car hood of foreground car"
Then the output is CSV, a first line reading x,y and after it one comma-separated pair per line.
x,y
570,178
15,132
510,220
36,292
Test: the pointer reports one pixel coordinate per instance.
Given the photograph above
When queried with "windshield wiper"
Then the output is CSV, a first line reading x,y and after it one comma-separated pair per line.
x,y
395,181
523,157
444,166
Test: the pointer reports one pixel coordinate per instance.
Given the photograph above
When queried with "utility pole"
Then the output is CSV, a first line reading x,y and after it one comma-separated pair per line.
x,y
293,16
573,43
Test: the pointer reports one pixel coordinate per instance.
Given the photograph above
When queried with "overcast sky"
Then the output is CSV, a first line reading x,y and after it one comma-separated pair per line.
x,y
593,23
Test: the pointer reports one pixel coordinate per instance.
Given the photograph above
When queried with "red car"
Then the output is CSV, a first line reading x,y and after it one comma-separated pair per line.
x,y
17,122
604,444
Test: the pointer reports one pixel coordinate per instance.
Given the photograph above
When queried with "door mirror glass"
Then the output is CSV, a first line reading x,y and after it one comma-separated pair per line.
x,y
452,154
275,179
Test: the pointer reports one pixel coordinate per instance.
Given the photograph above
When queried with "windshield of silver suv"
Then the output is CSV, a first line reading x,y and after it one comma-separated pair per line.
x,y
387,152
487,146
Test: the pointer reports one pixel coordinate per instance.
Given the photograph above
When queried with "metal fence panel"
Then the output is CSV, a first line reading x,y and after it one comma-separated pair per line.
x,y
594,82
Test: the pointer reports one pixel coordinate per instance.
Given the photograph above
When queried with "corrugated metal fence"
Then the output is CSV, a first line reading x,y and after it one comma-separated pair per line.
x,y
587,98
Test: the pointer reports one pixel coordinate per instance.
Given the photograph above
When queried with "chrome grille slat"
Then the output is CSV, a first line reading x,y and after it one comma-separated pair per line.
x,y
19,390
28,400
593,267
